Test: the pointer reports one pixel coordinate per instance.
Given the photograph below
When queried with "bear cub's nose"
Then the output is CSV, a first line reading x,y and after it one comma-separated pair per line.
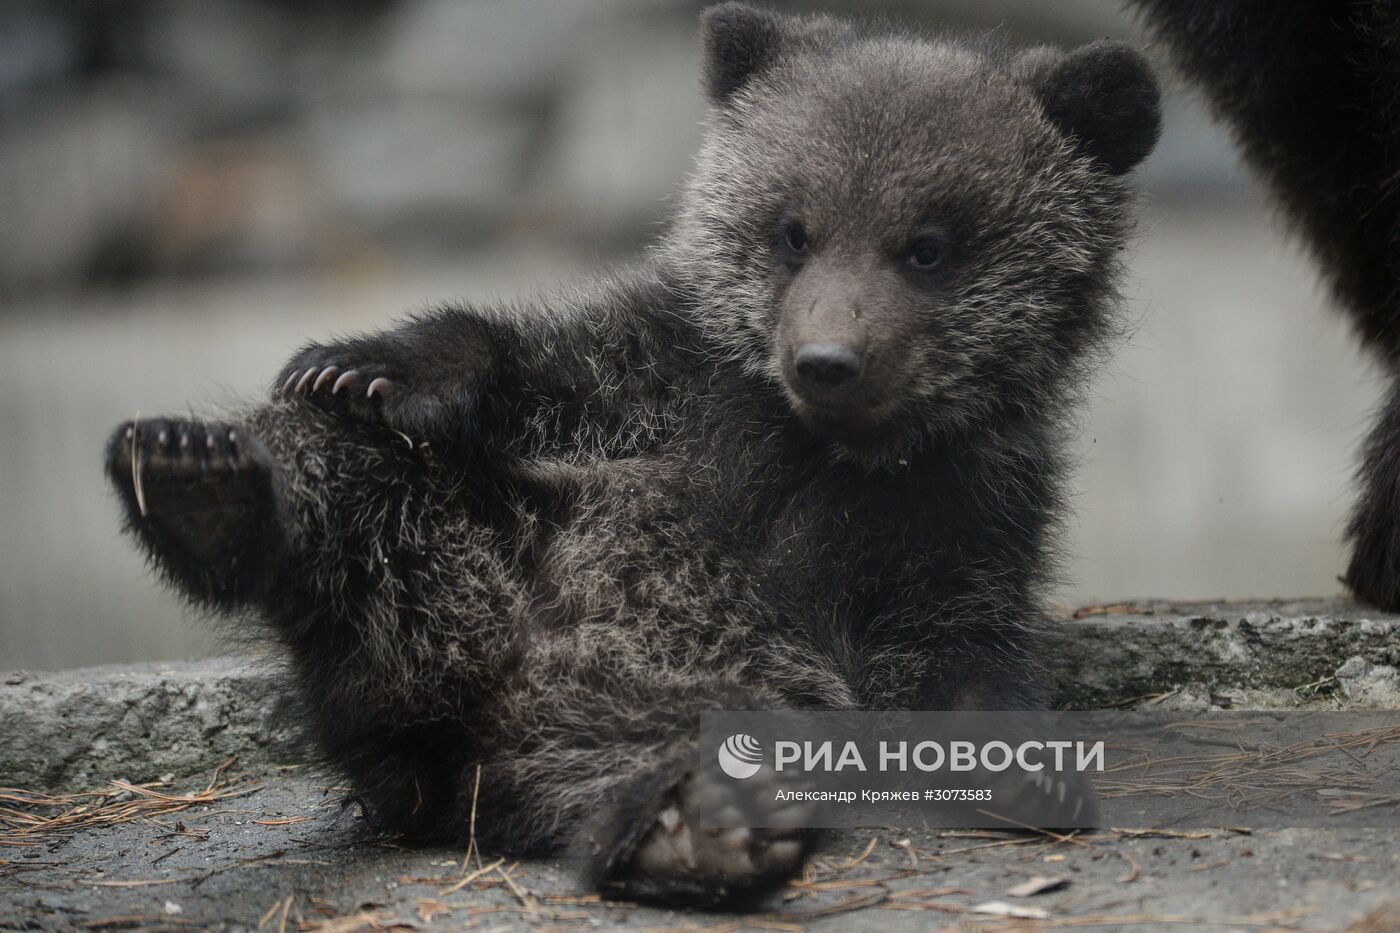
x,y
827,365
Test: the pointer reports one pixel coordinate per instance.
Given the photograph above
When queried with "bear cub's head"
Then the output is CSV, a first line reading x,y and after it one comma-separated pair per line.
x,y
909,235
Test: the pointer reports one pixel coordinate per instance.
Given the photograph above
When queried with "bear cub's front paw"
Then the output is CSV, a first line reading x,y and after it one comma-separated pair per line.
x,y
369,383
705,845
335,376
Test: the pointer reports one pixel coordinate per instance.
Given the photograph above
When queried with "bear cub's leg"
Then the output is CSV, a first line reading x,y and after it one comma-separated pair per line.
x,y
203,499
697,843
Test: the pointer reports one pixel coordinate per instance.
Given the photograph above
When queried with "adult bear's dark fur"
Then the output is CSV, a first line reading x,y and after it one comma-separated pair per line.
x,y
805,456
1312,90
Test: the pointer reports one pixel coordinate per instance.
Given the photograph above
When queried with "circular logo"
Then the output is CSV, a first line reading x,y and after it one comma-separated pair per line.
x,y
740,756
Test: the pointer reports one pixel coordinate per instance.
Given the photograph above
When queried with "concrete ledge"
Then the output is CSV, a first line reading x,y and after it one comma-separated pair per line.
x,y
81,727
1257,654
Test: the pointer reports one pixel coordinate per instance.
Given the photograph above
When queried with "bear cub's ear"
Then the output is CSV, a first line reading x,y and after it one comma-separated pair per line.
x,y
1104,97
739,42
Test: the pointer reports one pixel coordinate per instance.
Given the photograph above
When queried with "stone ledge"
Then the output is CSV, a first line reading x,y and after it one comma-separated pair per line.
x,y
1269,654
81,727
78,728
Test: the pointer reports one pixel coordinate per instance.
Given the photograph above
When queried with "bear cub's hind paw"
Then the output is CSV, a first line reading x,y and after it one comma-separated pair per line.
x,y
702,848
201,497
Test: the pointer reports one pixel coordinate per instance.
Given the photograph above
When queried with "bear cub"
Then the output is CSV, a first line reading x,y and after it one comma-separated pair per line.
x,y
805,455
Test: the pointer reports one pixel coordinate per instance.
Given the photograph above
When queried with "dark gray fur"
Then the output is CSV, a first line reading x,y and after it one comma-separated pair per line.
x,y
553,535
1312,93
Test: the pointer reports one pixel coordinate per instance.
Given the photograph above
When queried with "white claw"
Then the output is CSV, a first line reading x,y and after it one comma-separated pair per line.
x,y
136,485
345,377
670,819
325,376
306,377
738,838
729,818
379,385
785,853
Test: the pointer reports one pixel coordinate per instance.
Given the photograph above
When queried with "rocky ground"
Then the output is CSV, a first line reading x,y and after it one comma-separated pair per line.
x,y
154,798
286,856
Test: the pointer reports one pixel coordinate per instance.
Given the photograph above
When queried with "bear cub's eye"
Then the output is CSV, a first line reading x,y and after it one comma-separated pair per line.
x,y
926,255
795,236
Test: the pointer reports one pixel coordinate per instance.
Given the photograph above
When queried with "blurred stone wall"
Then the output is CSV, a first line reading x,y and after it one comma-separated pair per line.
x,y
159,138
185,137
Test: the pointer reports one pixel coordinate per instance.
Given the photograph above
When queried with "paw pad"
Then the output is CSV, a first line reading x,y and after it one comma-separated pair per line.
x,y
715,839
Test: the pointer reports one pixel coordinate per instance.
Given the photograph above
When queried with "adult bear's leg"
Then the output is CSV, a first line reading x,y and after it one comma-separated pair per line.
x,y
1374,526
1312,93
